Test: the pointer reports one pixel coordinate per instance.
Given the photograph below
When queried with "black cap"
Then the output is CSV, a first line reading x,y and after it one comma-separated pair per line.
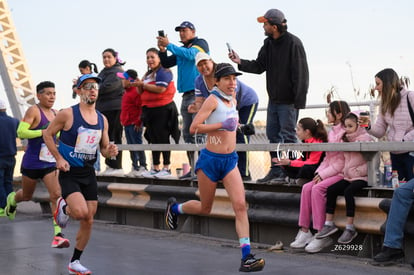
x,y
224,69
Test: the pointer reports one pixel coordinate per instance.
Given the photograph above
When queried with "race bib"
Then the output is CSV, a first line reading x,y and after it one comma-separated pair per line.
x,y
87,141
45,154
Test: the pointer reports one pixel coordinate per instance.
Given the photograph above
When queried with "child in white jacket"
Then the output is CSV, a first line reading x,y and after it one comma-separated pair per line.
x,y
355,178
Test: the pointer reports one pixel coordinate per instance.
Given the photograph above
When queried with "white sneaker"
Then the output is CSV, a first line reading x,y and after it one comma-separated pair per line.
x,y
106,172
317,245
163,174
132,174
75,267
59,216
150,174
115,173
141,171
302,239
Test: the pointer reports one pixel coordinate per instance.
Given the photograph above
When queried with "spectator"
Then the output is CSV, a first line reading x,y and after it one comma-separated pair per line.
x,y
81,129
184,58
218,119
313,196
355,178
131,120
8,152
287,79
392,119
85,67
109,104
302,170
159,112
37,162
247,102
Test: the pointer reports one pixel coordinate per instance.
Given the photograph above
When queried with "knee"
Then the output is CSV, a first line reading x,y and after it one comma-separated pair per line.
x,y
307,187
54,196
239,206
205,209
80,214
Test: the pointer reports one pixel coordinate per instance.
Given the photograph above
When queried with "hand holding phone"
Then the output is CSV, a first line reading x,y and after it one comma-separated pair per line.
x,y
232,54
161,33
229,48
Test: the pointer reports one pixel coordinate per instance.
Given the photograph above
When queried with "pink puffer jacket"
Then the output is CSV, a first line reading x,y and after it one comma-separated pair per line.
x,y
356,167
400,126
333,163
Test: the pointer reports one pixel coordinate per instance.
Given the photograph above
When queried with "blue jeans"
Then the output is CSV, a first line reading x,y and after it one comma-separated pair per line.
x,y
401,203
6,178
188,98
280,127
135,137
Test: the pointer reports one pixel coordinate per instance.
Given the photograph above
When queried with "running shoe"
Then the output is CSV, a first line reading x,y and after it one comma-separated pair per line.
x,y
251,264
76,268
61,218
170,216
11,206
60,242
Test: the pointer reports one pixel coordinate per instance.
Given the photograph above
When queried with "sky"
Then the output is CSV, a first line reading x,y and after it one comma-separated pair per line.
x,y
346,42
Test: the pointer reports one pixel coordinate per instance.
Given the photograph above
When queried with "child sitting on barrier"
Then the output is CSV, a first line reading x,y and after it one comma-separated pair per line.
x,y
302,170
355,178
313,196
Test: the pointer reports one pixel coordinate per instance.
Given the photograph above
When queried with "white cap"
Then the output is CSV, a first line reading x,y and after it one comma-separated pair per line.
x,y
201,56
2,104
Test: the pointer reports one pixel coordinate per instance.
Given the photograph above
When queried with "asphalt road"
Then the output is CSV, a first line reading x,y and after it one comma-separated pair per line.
x,y
115,249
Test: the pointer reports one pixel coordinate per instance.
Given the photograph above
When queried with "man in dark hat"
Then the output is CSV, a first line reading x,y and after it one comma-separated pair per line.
x,y
184,58
287,79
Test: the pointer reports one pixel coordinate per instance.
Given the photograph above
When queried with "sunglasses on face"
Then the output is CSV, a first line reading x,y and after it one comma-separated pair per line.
x,y
90,86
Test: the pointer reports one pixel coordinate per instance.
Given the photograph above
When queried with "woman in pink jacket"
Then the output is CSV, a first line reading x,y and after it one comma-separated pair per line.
x,y
355,178
394,119
313,196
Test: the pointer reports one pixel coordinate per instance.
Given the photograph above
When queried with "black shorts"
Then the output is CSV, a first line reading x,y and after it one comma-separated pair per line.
x,y
36,173
81,180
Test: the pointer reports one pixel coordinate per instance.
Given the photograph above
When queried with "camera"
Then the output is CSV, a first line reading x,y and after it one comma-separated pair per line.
x,y
161,33
246,129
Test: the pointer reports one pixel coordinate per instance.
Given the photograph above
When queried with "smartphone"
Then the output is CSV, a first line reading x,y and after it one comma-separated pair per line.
x,y
161,33
229,47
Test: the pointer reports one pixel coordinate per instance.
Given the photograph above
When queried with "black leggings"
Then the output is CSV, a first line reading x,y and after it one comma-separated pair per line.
x,y
115,134
157,130
346,188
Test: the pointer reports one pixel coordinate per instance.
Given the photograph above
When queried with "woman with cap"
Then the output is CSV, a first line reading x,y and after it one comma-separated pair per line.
x,y
247,102
218,118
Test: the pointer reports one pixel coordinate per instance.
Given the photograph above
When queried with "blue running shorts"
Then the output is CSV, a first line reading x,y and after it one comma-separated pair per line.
x,y
216,166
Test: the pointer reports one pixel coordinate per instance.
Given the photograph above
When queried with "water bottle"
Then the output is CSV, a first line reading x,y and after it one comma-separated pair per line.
x,y
387,175
394,180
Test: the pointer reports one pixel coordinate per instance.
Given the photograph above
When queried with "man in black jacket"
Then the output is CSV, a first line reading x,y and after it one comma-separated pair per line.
x,y
287,79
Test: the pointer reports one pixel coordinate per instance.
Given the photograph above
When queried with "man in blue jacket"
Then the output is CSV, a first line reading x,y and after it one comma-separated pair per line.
x,y
184,58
